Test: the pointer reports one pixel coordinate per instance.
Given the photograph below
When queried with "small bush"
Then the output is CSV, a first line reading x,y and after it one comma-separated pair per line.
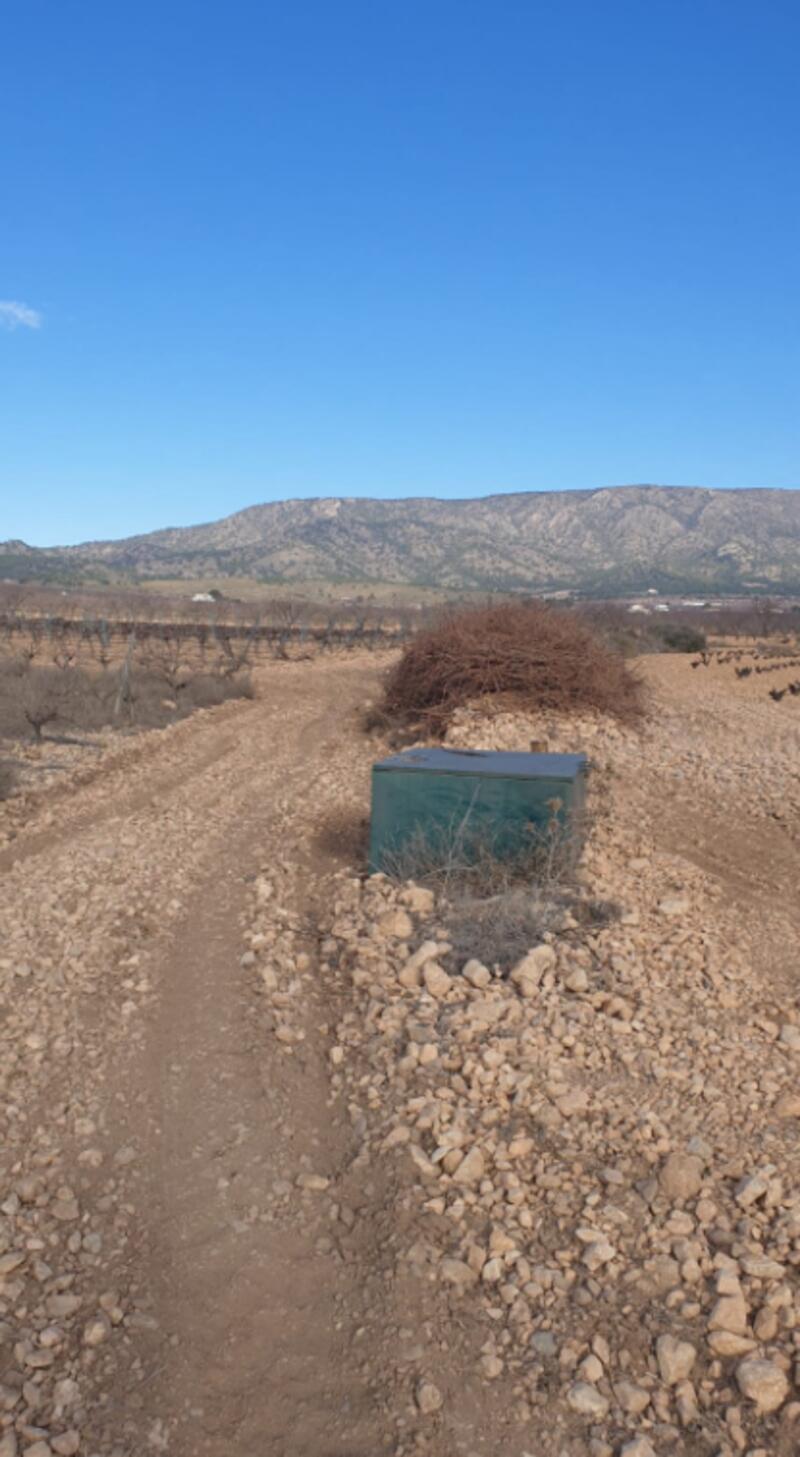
x,y
40,701
533,654
496,907
458,859
500,929
44,698
207,690
7,778
682,639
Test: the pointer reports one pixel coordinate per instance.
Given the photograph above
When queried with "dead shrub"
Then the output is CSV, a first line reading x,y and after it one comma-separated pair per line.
x,y
500,929
531,654
7,778
12,719
343,836
35,699
495,907
208,690
461,857
44,698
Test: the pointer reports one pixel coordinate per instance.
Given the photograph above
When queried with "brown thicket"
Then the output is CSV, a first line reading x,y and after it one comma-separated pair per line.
x,y
532,654
42,701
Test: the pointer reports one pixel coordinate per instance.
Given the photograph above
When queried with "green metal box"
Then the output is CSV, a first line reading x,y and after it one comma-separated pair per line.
x,y
503,800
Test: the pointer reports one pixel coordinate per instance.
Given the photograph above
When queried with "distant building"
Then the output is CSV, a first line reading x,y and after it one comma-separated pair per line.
x,y
639,607
660,607
203,597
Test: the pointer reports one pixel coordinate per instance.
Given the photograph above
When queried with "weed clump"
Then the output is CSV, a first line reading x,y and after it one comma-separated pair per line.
x,y
494,906
44,701
528,653
7,778
682,639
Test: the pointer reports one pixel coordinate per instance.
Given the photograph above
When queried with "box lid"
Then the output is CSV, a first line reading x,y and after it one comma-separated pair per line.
x,y
486,761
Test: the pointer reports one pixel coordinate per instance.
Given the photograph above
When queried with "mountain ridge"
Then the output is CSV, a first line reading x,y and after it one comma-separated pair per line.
x,y
604,539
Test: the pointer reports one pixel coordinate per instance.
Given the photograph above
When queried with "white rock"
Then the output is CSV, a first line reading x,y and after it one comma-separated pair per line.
x,y
315,1183
60,1306
492,1271
762,1382
587,1400
67,1444
97,1330
471,1168
598,1254
11,1261
728,1343
476,974
436,980
574,1102
750,1189
762,1268
395,925
633,1399
528,972
729,1314
675,1359
457,1272
411,974
681,1176
674,905
637,1447
418,898
591,1369
429,1398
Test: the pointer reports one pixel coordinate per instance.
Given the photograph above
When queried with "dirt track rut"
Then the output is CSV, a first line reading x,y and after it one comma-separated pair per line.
x,y
199,1255
238,1311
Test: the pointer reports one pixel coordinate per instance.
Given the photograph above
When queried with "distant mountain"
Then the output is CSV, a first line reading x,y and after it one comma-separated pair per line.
x,y
622,538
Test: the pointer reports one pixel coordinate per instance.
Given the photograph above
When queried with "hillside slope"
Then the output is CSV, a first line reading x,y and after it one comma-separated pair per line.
x,y
616,538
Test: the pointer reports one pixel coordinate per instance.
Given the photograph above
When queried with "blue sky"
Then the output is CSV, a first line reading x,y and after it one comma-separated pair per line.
x,y
369,249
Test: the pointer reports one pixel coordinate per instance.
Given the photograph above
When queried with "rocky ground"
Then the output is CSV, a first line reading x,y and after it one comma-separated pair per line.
x,y
286,1170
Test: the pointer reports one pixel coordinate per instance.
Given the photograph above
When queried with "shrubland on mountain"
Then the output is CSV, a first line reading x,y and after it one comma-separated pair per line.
x,y
601,541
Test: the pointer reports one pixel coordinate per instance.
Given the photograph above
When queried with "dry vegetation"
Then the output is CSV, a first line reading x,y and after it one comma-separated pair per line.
x,y
84,662
495,905
44,691
527,653
270,621
300,1159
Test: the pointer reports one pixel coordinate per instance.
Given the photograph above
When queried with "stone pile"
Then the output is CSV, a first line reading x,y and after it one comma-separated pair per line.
x,y
603,1142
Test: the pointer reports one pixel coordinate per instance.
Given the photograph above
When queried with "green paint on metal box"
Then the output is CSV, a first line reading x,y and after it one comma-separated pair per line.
x,y
501,799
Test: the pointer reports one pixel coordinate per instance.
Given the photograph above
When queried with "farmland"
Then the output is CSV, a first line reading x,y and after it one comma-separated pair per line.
x,y
285,1168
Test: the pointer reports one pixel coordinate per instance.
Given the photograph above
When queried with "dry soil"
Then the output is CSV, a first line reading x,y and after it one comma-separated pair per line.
x,y
213,1237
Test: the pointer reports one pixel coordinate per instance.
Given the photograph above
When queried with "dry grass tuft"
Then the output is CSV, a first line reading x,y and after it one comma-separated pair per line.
x,y
41,701
7,778
531,654
493,906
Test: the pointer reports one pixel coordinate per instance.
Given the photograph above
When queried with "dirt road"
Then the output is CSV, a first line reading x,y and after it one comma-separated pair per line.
x,y
197,1256
178,1125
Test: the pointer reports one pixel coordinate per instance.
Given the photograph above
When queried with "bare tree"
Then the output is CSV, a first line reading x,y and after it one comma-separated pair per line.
x,y
42,699
124,696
